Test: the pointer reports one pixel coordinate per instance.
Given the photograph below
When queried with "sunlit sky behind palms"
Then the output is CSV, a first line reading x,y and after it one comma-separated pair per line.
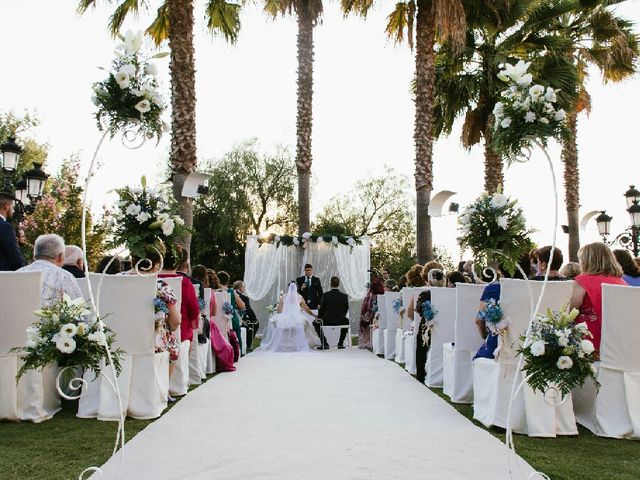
x,y
363,112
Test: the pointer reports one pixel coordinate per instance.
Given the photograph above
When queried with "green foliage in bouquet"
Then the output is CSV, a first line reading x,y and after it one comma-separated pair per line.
x,y
64,337
494,228
558,352
526,112
143,217
129,99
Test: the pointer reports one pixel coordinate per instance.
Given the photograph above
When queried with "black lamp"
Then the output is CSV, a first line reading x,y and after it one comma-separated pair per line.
x,y
604,223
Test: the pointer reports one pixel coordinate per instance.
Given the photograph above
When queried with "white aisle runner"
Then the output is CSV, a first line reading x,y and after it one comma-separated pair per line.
x,y
340,414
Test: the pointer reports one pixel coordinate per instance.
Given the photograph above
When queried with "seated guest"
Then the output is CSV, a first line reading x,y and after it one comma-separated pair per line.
x,y
490,292
469,271
455,277
402,282
189,308
214,282
249,320
111,265
74,261
390,285
570,270
630,270
385,274
10,256
432,265
48,254
436,279
368,313
599,266
333,312
414,279
545,262
237,305
533,262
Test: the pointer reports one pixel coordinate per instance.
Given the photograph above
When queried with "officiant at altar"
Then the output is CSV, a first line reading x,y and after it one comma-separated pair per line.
x,y
310,288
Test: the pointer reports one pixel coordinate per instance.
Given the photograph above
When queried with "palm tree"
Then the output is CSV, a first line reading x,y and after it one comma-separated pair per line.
x,y
466,79
308,14
429,19
174,22
596,36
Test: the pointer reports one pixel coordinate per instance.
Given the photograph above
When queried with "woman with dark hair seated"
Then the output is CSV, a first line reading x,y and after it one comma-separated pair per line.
x,y
114,267
455,277
630,269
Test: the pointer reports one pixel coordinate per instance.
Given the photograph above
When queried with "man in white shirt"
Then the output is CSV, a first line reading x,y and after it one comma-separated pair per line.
x,y
48,254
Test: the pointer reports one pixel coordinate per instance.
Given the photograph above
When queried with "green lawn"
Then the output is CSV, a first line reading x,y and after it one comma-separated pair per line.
x,y
61,448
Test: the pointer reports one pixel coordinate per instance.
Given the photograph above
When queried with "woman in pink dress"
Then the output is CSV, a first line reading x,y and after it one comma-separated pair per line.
x,y
598,266
222,349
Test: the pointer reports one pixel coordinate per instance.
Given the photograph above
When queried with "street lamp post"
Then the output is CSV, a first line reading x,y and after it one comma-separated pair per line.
x,y
630,238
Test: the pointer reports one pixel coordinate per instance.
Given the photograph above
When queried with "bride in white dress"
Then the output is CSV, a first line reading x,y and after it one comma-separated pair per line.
x,y
291,329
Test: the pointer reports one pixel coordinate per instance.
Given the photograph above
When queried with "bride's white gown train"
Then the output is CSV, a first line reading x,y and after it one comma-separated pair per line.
x,y
292,329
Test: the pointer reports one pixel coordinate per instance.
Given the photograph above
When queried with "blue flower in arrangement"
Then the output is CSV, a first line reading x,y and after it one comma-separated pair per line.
x,y
160,306
428,312
227,309
201,303
397,305
492,313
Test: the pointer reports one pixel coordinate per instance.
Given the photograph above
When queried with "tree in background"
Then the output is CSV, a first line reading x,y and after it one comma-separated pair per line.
x,y
250,193
60,211
21,127
174,22
379,207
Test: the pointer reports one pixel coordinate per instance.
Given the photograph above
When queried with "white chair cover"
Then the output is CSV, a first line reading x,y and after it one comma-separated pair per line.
x,y
493,379
220,320
35,398
444,302
179,378
376,340
243,336
393,319
615,411
407,295
410,352
457,367
197,362
382,314
210,365
128,302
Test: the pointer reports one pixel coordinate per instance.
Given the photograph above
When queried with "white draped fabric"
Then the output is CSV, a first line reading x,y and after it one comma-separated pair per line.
x,y
261,263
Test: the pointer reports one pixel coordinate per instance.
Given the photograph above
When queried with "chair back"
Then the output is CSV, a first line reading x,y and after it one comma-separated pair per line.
x,y
18,309
515,302
176,285
443,301
207,303
126,305
219,318
466,334
84,288
407,295
620,333
382,310
393,317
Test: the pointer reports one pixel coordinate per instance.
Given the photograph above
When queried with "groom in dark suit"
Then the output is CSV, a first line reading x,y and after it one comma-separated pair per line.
x,y
310,289
333,312
11,258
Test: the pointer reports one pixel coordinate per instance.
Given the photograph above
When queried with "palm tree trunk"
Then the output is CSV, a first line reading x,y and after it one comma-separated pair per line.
x,y
304,120
493,166
572,185
183,155
423,129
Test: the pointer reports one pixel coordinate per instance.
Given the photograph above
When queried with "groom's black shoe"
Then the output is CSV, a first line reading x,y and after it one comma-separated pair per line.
x,y
323,347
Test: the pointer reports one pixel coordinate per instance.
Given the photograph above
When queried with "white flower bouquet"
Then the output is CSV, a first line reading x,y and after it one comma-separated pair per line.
x,y
526,112
558,352
129,98
494,228
144,216
62,336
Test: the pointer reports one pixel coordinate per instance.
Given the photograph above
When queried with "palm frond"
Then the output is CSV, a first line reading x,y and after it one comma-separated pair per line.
x,y
400,19
122,11
358,7
159,29
451,21
84,5
223,18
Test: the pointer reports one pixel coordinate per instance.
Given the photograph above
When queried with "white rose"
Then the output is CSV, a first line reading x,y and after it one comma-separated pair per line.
x,y
296,242
498,200
133,209
544,120
151,69
319,240
530,117
178,220
550,95
143,106
306,235
65,344
68,329
587,346
537,348
563,341
122,79
564,363
136,92
143,217
525,80
560,115
32,344
163,216
167,226
99,337
503,222
498,109
276,239
129,69
351,242
132,42
506,121
33,334
536,91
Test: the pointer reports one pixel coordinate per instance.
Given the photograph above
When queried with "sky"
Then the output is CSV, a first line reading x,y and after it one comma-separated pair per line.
x,y
363,111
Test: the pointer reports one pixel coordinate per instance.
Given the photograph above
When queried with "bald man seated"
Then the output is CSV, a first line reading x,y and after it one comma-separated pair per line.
x,y
74,261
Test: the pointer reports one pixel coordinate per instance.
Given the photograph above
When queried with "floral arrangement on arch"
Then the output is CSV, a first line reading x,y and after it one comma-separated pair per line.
x,y
526,112
63,337
495,230
144,216
307,237
558,352
129,97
